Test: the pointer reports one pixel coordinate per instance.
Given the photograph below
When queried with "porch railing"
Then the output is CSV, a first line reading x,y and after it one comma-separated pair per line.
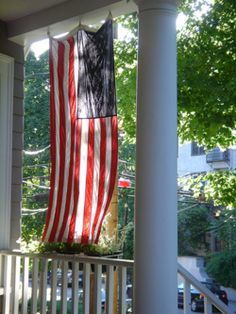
x,y
56,283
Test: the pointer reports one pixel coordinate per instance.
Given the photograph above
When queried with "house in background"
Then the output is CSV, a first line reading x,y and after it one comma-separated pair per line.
x,y
193,159
155,269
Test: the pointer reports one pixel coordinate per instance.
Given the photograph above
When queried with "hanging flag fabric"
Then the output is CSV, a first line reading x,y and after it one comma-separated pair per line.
x,y
84,140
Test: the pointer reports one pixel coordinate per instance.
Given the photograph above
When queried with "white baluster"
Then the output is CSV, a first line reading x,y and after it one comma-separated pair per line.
x,y
187,297
43,285
122,289
54,288
75,270
207,306
64,287
97,288
110,289
25,285
34,295
16,285
86,287
7,284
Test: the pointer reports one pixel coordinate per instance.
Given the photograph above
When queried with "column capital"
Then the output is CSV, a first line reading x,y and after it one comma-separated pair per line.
x,y
146,5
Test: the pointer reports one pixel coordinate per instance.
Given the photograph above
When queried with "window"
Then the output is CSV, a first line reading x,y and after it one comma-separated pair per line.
x,y
197,150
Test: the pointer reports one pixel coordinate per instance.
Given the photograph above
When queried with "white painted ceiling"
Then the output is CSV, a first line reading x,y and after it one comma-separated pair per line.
x,y
28,21
14,9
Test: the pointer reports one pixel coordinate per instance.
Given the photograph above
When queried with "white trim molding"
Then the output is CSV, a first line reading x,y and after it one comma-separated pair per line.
x,y
6,118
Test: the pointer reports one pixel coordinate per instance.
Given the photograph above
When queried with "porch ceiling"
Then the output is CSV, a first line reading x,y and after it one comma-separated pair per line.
x,y
30,20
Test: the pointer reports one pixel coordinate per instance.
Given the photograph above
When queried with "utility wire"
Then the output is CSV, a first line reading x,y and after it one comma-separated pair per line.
x,y
32,153
36,185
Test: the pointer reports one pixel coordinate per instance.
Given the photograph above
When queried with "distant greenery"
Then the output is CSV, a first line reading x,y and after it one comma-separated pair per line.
x,y
222,267
193,224
36,169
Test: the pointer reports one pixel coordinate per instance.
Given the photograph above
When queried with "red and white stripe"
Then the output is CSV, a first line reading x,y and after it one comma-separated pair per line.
x,y
83,156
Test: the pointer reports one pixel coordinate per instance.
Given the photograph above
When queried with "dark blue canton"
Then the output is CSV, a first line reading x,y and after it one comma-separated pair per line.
x,y
96,82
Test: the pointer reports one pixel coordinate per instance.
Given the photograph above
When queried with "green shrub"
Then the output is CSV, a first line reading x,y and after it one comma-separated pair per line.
x,y
222,267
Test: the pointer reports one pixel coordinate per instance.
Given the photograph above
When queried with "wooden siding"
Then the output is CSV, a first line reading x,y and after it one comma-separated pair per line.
x,y
17,52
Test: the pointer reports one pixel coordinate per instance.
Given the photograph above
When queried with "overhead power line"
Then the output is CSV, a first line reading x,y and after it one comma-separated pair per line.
x,y
36,185
26,152
31,212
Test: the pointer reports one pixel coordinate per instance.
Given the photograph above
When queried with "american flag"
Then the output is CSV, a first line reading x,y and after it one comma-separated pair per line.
x,y
84,140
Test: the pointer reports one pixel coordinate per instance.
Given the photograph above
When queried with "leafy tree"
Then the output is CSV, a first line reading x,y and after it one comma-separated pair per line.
x,y
36,102
193,224
222,266
36,136
126,63
126,198
206,74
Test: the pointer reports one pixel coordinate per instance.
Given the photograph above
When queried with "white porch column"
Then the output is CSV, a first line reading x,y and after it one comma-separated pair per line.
x,y
156,202
6,113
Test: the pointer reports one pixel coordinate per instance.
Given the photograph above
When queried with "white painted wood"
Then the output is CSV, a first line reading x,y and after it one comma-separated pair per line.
x,y
97,288
122,289
82,259
156,168
109,289
7,265
7,284
54,287
1,275
43,285
64,287
16,284
35,277
187,297
207,306
33,27
6,118
25,284
1,268
86,287
75,277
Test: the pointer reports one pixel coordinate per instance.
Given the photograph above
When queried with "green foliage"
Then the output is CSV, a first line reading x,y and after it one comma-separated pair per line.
x,y
125,63
206,80
206,74
224,227
32,227
222,267
218,187
193,223
126,199
75,248
36,169
36,134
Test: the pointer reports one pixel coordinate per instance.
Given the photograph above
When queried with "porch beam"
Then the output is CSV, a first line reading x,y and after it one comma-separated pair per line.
x,y
156,169
63,18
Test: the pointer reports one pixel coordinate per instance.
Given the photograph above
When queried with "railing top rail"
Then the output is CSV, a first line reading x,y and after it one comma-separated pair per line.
x,y
199,286
73,257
